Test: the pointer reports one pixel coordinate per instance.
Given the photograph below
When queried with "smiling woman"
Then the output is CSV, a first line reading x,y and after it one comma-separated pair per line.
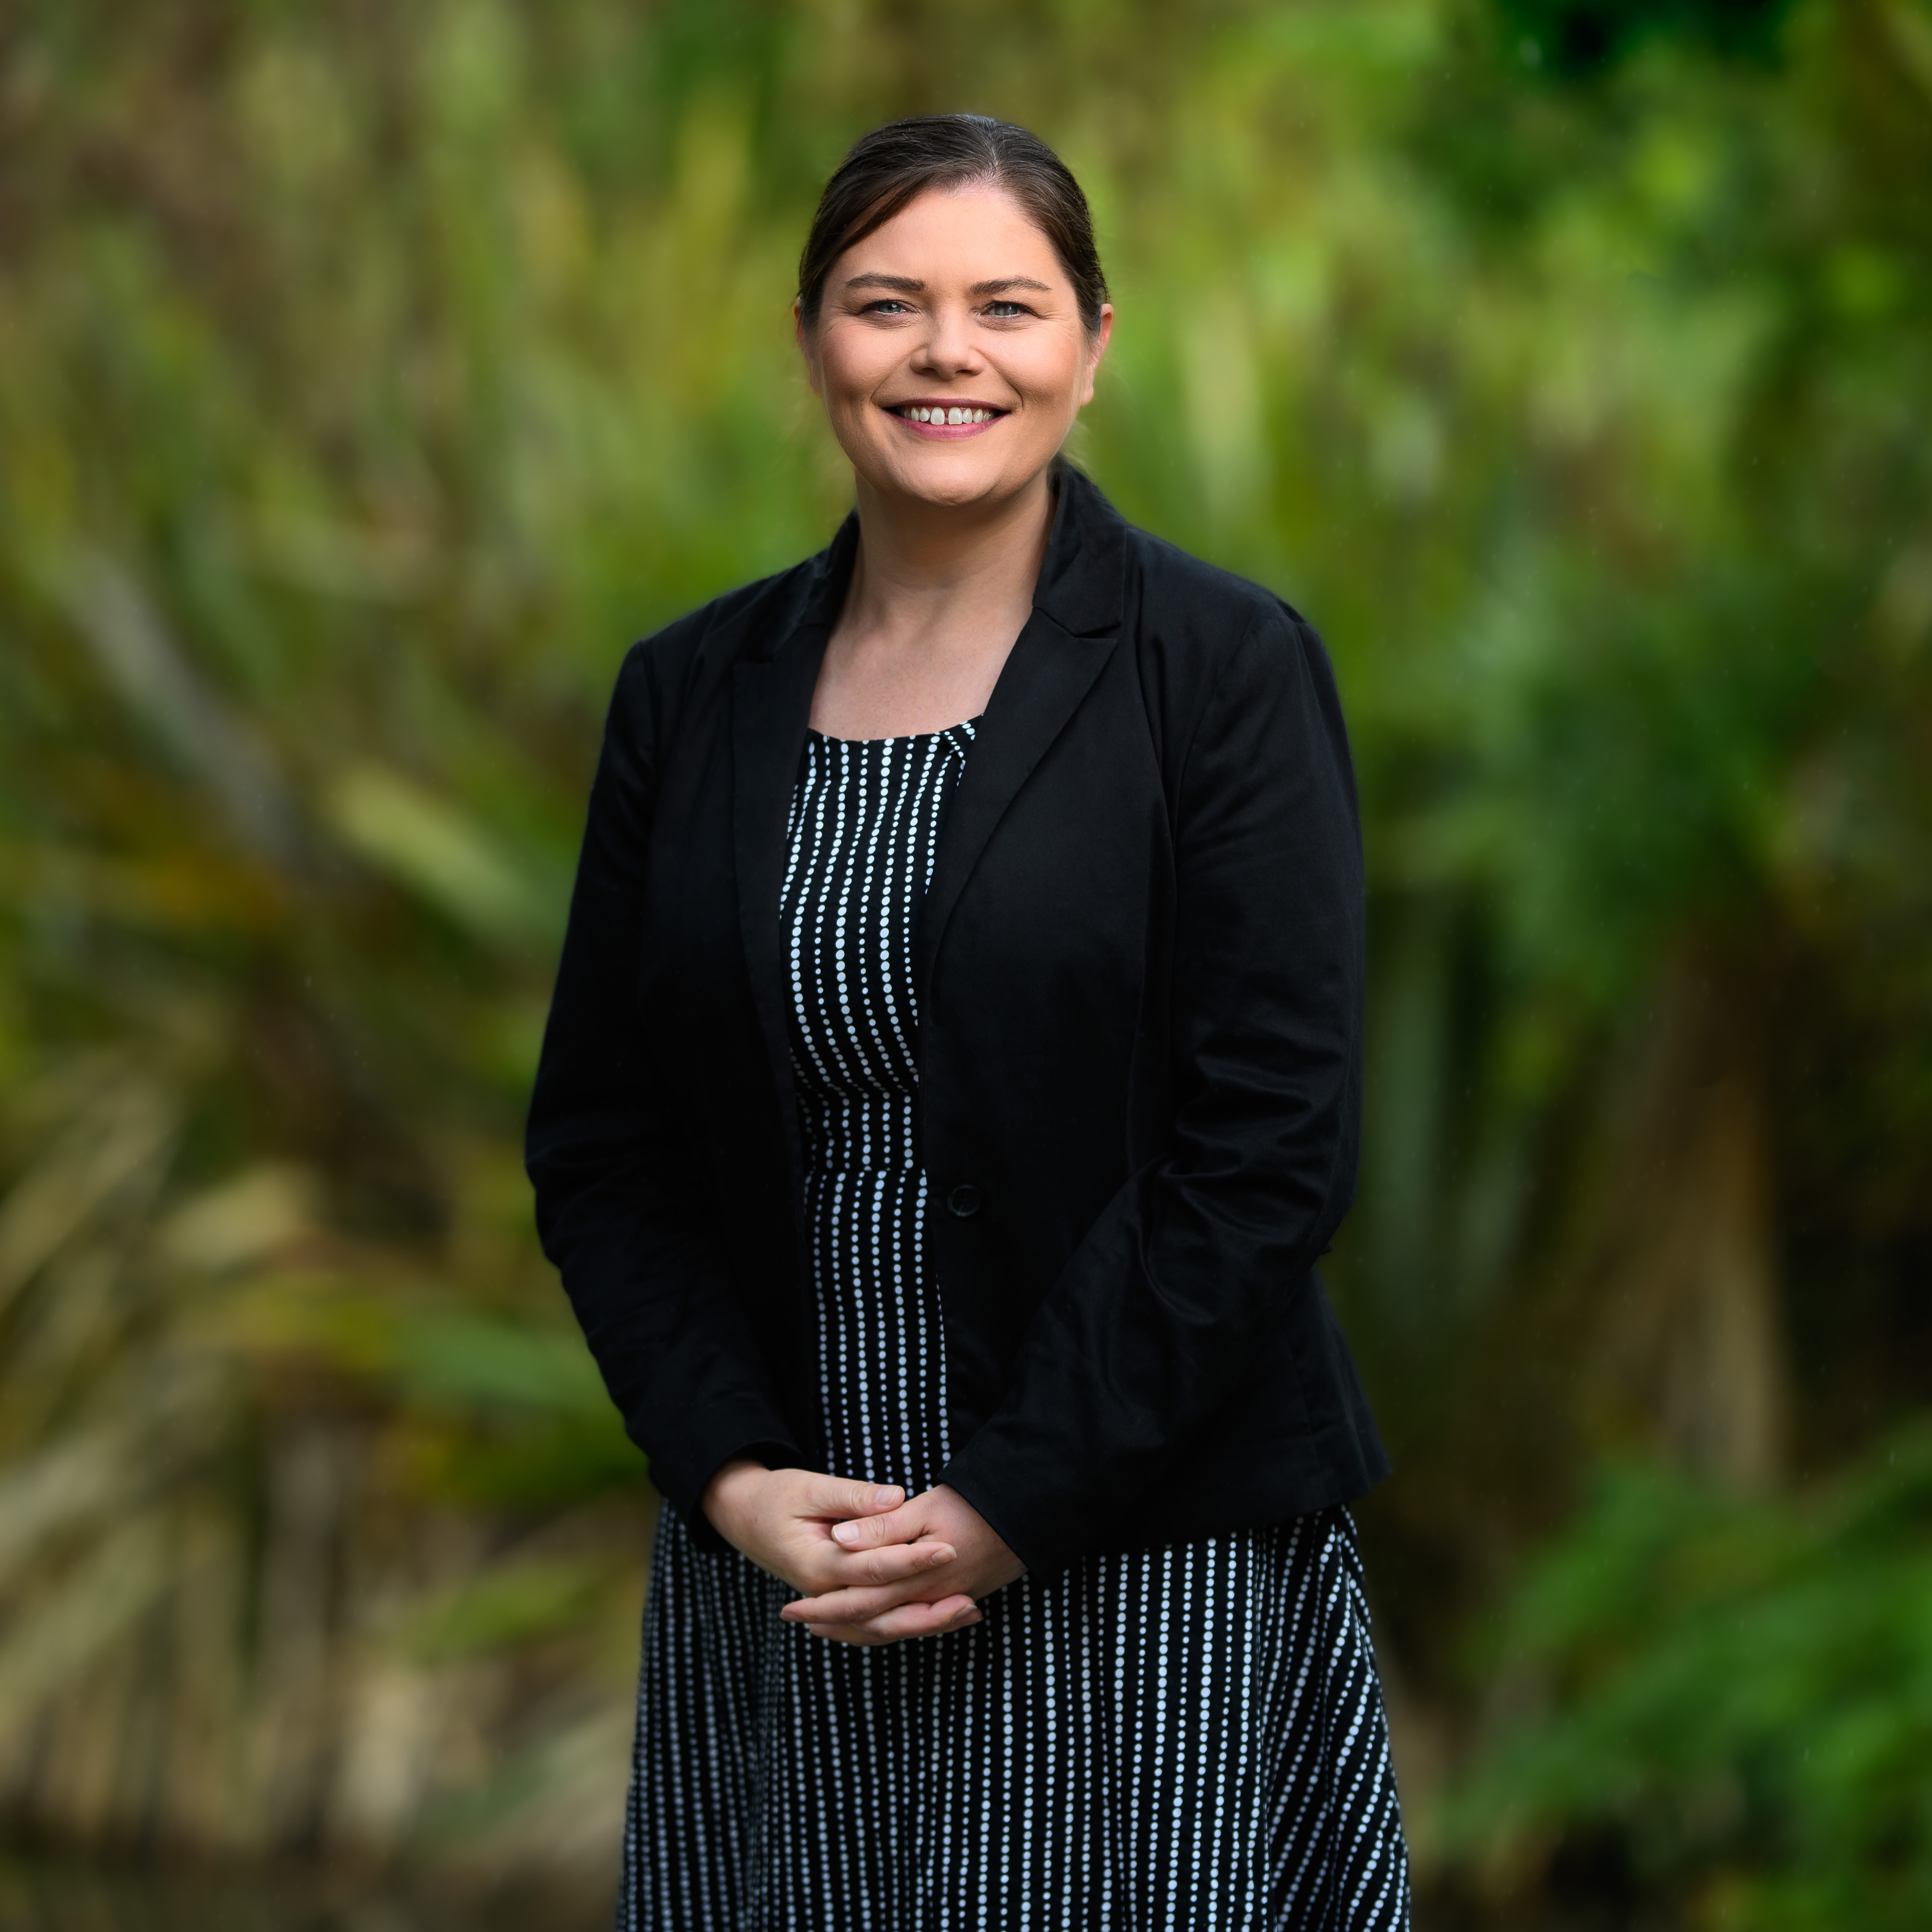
x,y
952,1078
953,334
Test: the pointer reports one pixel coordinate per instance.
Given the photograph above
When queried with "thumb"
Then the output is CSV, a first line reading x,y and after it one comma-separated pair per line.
x,y
836,1496
875,1532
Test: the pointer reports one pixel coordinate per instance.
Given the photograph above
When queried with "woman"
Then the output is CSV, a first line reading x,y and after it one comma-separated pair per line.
x,y
952,1078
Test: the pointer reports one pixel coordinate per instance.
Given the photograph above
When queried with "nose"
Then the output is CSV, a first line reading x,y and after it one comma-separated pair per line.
x,y
947,348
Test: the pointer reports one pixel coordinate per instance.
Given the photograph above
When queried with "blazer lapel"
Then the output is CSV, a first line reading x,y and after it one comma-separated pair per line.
x,y
1075,622
1046,674
771,707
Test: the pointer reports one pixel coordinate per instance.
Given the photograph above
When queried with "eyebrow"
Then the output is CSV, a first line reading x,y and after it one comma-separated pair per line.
x,y
910,285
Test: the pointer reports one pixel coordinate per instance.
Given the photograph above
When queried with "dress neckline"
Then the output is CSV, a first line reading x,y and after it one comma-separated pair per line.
x,y
900,738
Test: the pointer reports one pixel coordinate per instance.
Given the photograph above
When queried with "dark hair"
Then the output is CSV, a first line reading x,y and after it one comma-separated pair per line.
x,y
891,165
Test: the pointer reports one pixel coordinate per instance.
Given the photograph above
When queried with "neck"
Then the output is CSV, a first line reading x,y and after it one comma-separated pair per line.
x,y
917,561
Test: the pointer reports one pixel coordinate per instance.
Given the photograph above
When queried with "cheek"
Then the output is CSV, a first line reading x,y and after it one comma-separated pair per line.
x,y
1052,370
852,367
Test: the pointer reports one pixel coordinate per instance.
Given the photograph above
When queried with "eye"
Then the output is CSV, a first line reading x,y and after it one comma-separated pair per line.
x,y
1003,310
886,305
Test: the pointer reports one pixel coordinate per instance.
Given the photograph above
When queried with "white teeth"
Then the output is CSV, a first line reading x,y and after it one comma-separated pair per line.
x,y
919,412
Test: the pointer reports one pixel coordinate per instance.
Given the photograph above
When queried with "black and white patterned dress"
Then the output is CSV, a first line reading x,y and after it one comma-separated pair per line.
x,y
1190,1737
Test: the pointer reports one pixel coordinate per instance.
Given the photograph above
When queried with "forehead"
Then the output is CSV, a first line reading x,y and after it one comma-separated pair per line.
x,y
968,233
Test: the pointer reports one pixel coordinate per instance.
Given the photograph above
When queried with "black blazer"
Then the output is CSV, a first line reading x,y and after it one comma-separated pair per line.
x,y
1139,976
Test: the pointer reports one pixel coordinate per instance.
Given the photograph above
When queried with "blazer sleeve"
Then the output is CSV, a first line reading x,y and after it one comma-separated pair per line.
x,y
1155,1316
620,1206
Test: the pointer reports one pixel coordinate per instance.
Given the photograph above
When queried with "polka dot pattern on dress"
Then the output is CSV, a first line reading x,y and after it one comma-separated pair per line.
x,y
1190,1739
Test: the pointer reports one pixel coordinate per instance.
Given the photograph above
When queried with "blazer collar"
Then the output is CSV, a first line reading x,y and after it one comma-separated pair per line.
x,y
1076,616
1053,663
829,572
1081,578
1080,586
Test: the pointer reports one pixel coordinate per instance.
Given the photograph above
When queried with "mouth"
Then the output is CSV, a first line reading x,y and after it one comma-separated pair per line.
x,y
946,421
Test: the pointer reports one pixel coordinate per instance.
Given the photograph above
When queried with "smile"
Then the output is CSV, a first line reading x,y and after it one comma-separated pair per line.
x,y
942,417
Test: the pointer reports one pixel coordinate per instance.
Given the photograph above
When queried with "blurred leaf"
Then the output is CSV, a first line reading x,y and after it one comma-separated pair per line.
x,y
505,1607
427,844
249,1218
1781,1653
369,382
469,1361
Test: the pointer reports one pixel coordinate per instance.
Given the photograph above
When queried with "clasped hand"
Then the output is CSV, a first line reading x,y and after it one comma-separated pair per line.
x,y
873,1568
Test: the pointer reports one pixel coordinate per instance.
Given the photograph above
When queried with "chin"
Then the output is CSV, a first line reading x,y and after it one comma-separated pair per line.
x,y
957,494
949,486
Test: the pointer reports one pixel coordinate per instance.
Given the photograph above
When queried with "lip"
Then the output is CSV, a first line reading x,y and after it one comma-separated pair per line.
x,y
946,432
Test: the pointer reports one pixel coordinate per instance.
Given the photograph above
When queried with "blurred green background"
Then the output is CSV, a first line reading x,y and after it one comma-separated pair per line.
x,y
371,375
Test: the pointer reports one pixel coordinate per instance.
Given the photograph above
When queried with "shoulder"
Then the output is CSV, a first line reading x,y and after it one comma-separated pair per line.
x,y
1186,619
707,643
1103,573
1202,634
1180,595
675,679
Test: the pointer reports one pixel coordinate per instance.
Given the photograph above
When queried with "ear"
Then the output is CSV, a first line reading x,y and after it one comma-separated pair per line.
x,y
808,347
1097,347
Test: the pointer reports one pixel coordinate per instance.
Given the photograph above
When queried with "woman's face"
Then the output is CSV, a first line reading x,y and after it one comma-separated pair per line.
x,y
957,307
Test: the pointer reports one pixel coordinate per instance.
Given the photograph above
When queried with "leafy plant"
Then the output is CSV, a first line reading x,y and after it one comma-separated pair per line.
x,y
1737,1695
369,379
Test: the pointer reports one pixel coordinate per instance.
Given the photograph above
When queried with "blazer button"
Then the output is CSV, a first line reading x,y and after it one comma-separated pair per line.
x,y
964,1200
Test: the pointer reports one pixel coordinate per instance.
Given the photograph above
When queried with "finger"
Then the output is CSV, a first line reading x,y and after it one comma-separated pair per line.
x,y
911,1620
874,1531
836,1496
826,1567
898,1565
845,1606
860,1606
915,1620
823,1570
858,1634
850,1606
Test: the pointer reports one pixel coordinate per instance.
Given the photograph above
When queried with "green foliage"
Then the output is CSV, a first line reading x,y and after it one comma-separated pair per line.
x,y
369,379
1739,1694
1583,37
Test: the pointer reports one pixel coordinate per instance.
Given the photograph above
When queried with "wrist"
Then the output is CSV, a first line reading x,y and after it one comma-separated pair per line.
x,y
724,1496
